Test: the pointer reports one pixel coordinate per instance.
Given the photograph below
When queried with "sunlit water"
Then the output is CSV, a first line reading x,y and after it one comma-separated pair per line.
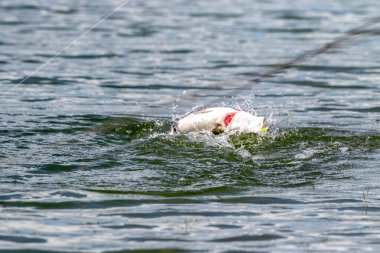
x,y
87,160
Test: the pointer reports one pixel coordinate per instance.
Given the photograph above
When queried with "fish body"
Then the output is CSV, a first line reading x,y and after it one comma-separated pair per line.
x,y
219,120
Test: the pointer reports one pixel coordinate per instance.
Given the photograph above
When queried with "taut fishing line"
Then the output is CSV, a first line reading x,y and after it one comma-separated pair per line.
x,y
67,46
279,68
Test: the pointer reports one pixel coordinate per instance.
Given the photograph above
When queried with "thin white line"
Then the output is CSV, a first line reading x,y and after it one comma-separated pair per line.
x,y
67,47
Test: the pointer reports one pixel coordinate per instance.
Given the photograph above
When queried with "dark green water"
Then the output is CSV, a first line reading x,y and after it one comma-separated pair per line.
x,y
87,160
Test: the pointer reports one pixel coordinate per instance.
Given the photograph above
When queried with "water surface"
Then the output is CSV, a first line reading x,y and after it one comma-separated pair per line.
x,y
87,160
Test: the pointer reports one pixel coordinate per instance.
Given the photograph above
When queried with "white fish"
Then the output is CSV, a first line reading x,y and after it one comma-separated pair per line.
x,y
219,120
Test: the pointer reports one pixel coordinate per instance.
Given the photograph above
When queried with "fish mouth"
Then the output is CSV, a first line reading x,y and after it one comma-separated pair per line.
x,y
175,126
218,129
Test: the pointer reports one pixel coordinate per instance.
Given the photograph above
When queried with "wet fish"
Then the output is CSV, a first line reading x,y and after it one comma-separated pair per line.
x,y
220,120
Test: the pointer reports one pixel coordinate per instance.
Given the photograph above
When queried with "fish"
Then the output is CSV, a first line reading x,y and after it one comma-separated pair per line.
x,y
219,120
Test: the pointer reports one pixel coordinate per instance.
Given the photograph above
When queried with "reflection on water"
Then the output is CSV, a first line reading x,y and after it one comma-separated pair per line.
x,y
87,160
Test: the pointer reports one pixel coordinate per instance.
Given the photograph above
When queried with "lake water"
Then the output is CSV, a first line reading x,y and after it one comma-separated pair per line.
x,y
87,161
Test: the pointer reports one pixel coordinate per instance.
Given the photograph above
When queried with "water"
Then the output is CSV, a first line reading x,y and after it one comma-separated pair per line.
x,y
87,161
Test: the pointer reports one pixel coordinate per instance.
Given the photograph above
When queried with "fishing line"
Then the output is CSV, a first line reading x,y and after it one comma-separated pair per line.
x,y
279,68
67,47
317,51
